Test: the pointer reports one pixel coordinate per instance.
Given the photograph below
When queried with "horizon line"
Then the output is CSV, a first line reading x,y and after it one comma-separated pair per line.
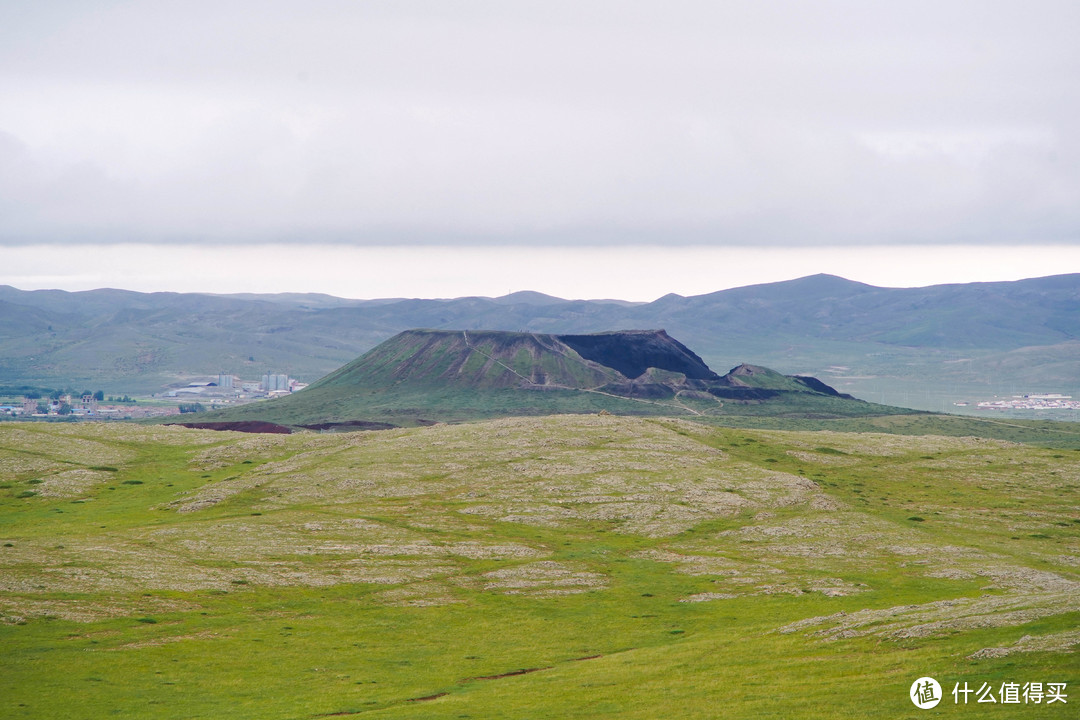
x,y
511,293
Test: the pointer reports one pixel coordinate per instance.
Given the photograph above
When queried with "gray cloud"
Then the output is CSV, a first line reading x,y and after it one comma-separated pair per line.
x,y
583,122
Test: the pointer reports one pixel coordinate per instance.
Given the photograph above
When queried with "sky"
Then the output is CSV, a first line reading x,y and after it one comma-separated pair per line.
x,y
585,149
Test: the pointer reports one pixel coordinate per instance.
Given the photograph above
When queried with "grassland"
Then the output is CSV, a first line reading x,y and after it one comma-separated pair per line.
x,y
570,566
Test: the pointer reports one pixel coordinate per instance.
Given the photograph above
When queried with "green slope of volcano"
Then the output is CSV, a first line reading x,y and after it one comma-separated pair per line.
x,y
423,376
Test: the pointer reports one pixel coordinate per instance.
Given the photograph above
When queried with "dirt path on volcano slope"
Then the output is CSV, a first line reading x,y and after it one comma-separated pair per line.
x,y
593,389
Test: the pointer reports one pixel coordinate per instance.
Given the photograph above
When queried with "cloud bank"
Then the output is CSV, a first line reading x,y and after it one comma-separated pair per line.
x,y
541,123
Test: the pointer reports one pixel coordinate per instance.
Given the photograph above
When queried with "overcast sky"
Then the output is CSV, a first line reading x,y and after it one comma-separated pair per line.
x,y
185,132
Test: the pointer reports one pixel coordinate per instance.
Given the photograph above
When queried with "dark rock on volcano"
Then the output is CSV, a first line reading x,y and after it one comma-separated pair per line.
x,y
632,353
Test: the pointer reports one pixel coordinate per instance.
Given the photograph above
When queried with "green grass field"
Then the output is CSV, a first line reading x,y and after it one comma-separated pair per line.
x,y
576,566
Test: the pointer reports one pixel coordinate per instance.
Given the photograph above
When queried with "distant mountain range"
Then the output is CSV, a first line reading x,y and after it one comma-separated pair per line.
x,y
990,335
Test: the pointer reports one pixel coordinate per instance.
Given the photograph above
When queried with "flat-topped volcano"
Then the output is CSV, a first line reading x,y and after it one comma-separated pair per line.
x,y
422,376
493,360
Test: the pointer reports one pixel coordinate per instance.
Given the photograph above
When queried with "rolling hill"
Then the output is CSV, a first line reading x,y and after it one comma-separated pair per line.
x,y
560,567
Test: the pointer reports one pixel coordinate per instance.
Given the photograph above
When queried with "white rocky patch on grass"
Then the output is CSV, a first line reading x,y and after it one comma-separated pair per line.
x,y
707,596
419,594
1032,594
55,447
213,493
546,577
127,433
18,465
215,557
16,609
259,447
72,483
1065,641
166,640
585,489
880,444
822,458
739,571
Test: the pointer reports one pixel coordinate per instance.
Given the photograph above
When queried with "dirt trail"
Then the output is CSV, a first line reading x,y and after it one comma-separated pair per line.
x,y
465,334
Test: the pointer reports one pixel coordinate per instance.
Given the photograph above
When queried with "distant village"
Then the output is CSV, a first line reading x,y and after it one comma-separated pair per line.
x,y
1034,401
194,397
231,387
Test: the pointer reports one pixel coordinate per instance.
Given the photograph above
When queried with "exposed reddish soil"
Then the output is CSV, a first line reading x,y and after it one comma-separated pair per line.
x,y
512,673
436,696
